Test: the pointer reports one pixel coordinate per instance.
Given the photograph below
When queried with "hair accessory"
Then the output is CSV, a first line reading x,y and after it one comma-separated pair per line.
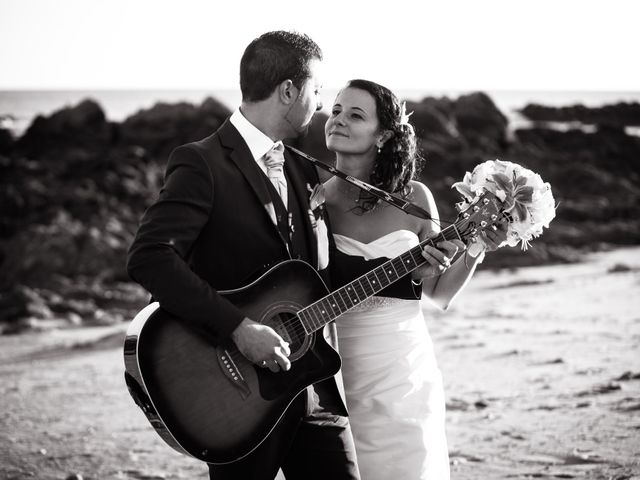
x,y
404,116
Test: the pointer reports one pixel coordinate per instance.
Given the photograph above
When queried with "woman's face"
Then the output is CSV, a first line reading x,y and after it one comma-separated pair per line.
x,y
353,126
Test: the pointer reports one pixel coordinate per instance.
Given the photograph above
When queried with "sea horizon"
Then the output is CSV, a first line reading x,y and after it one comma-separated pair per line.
x,y
18,107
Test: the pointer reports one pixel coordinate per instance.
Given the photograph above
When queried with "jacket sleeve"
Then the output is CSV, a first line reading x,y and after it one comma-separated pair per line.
x,y
157,259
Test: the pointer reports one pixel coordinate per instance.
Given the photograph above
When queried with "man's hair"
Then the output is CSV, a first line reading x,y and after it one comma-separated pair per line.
x,y
273,58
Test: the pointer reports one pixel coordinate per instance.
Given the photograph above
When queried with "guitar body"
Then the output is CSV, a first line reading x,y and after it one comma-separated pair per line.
x,y
209,401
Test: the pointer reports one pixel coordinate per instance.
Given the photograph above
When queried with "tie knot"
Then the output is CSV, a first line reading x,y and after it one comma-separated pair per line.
x,y
275,157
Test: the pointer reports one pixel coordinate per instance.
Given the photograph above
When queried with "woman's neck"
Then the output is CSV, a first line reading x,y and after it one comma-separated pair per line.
x,y
358,166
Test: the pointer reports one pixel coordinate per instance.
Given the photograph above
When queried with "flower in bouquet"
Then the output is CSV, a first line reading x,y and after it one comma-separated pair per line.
x,y
526,199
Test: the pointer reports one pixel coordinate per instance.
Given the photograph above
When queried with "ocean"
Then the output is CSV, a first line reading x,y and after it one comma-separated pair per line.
x,y
18,108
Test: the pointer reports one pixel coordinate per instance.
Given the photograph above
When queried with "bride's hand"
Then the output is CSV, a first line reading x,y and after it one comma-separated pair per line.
x,y
438,259
492,239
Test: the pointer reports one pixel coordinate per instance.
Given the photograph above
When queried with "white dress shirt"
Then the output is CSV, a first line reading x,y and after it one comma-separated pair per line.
x,y
258,142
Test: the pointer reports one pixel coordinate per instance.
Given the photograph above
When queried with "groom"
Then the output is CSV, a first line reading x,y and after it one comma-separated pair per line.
x,y
228,209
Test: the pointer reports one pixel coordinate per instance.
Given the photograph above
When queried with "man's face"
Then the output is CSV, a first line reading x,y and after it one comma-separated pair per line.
x,y
308,101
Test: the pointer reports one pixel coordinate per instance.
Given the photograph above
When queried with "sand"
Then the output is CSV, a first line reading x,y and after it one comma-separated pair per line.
x,y
541,366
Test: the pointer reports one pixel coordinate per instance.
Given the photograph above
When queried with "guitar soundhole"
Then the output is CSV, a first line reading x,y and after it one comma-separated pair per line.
x,y
288,326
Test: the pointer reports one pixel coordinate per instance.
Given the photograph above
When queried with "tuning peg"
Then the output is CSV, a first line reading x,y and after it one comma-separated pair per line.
x,y
494,228
494,217
465,215
486,201
483,224
476,208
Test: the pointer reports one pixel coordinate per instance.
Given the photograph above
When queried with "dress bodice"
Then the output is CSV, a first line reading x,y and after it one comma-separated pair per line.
x,y
390,245
354,258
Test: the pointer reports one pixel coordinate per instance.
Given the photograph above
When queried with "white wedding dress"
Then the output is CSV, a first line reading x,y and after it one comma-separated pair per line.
x,y
392,382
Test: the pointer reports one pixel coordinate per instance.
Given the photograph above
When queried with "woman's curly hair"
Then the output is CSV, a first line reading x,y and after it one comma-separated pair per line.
x,y
395,165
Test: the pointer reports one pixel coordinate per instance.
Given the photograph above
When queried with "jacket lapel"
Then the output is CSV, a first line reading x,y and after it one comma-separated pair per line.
x,y
243,159
299,188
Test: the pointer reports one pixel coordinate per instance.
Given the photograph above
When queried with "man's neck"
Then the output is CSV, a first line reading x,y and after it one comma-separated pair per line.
x,y
264,117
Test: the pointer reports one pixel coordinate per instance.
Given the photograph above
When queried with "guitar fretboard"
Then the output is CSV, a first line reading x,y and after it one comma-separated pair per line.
x,y
328,308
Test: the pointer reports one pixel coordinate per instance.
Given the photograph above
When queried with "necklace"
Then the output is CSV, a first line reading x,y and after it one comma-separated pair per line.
x,y
354,197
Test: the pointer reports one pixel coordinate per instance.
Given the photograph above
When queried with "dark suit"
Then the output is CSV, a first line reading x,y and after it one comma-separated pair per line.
x,y
209,230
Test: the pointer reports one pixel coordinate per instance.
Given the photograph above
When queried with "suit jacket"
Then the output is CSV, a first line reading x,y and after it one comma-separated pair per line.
x,y
210,229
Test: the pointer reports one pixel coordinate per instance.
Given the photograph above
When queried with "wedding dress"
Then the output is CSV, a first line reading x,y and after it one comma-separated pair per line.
x,y
392,382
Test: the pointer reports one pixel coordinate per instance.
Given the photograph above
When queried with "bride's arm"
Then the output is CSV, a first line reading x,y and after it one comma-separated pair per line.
x,y
442,283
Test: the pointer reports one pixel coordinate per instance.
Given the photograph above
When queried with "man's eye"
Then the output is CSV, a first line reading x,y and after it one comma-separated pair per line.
x,y
335,112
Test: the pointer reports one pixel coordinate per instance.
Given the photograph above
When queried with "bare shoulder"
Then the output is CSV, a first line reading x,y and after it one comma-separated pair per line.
x,y
422,196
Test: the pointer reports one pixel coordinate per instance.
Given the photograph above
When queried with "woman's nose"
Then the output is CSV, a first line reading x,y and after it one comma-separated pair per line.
x,y
339,119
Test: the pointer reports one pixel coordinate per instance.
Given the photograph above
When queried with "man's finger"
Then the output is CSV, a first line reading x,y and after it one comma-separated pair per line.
x,y
284,346
282,362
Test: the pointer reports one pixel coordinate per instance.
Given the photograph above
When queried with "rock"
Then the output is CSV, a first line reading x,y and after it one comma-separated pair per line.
x,y
480,121
164,126
6,140
619,115
83,126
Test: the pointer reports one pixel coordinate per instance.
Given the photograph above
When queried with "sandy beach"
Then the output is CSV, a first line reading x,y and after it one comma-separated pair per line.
x,y
541,366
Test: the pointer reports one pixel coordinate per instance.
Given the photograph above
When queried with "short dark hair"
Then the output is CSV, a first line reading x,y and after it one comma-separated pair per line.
x,y
273,58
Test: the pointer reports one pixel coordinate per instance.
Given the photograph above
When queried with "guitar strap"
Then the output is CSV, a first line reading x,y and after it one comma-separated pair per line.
x,y
407,207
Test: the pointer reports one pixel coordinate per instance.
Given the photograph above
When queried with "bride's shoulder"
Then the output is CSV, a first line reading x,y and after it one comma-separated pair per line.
x,y
421,195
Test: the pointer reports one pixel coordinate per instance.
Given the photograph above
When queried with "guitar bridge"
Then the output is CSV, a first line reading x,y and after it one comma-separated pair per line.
x,y
232,372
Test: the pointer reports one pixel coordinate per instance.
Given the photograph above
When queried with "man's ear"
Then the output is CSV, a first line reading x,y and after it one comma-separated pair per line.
x,y
386,135
287,92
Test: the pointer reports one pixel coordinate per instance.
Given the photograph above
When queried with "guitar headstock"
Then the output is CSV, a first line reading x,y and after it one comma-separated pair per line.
x,y
483,214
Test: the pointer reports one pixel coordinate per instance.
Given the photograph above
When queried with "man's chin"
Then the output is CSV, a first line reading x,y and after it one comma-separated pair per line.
x,y
300,132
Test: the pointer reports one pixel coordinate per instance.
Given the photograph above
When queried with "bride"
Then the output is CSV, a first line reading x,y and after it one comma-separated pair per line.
x,y
393,385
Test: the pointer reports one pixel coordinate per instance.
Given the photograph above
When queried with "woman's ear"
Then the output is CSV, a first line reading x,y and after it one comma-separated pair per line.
x,y
383,138
286,92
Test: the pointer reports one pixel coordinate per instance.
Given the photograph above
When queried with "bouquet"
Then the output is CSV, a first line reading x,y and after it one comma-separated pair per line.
x,y
527,201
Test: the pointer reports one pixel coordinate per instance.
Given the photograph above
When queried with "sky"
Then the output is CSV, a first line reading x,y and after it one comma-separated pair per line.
x,y
431,45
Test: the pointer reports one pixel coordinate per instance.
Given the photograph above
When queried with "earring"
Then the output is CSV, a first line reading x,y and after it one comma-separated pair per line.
x,y
379,149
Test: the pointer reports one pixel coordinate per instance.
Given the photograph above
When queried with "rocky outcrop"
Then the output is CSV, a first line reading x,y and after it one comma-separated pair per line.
x,y
74,186
72,190
164,126
616,115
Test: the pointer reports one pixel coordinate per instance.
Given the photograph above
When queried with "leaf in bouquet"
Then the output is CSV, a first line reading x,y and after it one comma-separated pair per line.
x,y
524,195
520,181
521,211
503,182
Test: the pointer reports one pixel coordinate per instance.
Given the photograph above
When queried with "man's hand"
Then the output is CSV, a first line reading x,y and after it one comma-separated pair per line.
x,y
438,259
262,345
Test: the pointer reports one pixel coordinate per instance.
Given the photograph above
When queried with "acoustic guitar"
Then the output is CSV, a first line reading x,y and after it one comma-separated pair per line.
x,y
208,401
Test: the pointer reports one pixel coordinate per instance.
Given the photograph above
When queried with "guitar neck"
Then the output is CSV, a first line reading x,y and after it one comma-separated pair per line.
x,y
330,307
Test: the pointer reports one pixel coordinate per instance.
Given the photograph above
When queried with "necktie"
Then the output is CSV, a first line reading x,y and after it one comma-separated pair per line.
x,y
274,161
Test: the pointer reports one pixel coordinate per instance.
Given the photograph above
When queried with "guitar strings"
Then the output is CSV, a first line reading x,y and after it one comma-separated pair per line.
x,y
294,326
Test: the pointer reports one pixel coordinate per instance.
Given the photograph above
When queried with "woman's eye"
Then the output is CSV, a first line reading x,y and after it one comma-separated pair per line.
x,y
356,116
